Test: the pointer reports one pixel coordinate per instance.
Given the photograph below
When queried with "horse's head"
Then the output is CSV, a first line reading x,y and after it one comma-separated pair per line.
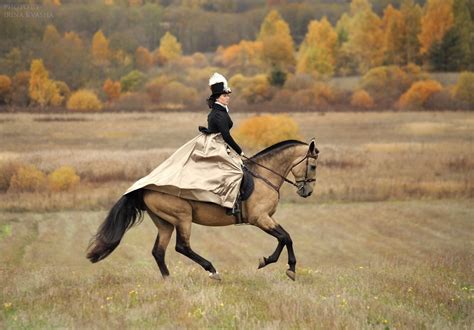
x,y
304,170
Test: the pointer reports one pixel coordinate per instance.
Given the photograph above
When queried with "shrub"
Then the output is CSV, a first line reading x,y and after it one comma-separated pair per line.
x,y
319,95
387,83
64,91
265,130
253,89
63,178
133,81
361,99
111,89
7,170
131,102
27,178
418,94
155,87
84,99
5,88
464,89
176,95
20,84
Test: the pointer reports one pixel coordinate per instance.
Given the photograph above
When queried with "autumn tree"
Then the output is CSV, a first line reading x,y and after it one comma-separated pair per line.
x,y
393,36
318,51
436,21
277,43
100,49
111,89
42,90
411,14
5,88
169,49
19,91
143,59
242,56
454,51
365,36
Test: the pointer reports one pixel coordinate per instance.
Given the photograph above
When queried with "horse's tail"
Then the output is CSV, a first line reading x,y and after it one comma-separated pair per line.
x,y
127,212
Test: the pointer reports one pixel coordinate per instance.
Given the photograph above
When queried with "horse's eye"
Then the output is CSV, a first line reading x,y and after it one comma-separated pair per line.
x,y
312,167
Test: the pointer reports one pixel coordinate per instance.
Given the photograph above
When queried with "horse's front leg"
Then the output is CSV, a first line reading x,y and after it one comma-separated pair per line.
x,y
270,226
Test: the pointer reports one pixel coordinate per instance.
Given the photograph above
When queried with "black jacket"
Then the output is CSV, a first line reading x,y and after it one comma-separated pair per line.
x,y
218,121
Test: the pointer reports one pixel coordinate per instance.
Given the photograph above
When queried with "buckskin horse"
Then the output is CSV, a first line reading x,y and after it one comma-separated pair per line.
x,y
270,169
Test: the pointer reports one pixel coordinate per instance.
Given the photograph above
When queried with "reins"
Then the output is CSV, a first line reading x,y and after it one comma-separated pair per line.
x,y
279,175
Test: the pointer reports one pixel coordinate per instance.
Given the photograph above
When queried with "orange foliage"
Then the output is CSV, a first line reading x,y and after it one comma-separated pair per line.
x,y
437,20
27,178
242,54
111,89
7,170
418,94
263,131
100,49
143,59
5,87
362,99
63,178
155,87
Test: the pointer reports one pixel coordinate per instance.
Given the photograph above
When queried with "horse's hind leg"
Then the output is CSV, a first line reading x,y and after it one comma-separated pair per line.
x,y
183,234
165,230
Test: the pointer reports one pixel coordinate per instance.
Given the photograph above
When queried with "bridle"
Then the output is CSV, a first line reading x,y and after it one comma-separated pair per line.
x,y
296,183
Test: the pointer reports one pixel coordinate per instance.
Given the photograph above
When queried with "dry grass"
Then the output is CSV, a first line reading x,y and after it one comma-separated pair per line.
x,y
401,265
364,156
385,242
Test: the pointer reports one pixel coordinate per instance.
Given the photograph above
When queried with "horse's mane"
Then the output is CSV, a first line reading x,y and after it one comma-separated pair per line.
x,y
276,147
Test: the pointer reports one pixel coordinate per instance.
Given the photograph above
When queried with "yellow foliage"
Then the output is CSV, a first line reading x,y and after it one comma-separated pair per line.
x,y
266,130
317,52
111,89
27,178
169,49
73,38
84,99
276,41
362,99
418,94
43,90
63,178
464,89
253,89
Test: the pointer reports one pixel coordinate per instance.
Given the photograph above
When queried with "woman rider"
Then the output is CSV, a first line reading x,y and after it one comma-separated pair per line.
x,y
207,168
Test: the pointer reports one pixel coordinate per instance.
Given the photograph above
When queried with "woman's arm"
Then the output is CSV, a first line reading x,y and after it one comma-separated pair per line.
x,y
222,124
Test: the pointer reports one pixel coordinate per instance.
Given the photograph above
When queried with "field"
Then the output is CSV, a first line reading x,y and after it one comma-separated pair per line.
x,y
386,240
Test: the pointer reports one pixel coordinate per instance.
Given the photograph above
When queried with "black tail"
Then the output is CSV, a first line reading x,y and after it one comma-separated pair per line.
x,y
127,212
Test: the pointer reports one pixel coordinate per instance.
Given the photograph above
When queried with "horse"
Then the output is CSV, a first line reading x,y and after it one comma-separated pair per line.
x,y
269,167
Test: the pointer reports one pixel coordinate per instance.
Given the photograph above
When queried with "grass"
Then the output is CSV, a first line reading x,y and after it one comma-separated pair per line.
x,y
385,242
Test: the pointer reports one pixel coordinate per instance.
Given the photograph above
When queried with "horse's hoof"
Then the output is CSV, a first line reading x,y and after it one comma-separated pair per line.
x,y
261,263
291,274
215,276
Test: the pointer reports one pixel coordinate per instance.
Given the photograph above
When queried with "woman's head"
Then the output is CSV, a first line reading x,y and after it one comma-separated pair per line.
x,y
219,89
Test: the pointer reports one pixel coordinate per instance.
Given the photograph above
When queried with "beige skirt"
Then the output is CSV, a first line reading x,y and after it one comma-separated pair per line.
x,y
205,169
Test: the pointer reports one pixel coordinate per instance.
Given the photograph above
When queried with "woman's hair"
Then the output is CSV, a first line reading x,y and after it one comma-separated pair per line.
x,y
211,100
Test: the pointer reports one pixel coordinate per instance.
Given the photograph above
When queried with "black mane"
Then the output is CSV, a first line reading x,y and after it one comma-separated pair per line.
x,y
277,146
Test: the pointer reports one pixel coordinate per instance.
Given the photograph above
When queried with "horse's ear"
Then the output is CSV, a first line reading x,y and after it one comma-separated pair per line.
x,y
312,148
